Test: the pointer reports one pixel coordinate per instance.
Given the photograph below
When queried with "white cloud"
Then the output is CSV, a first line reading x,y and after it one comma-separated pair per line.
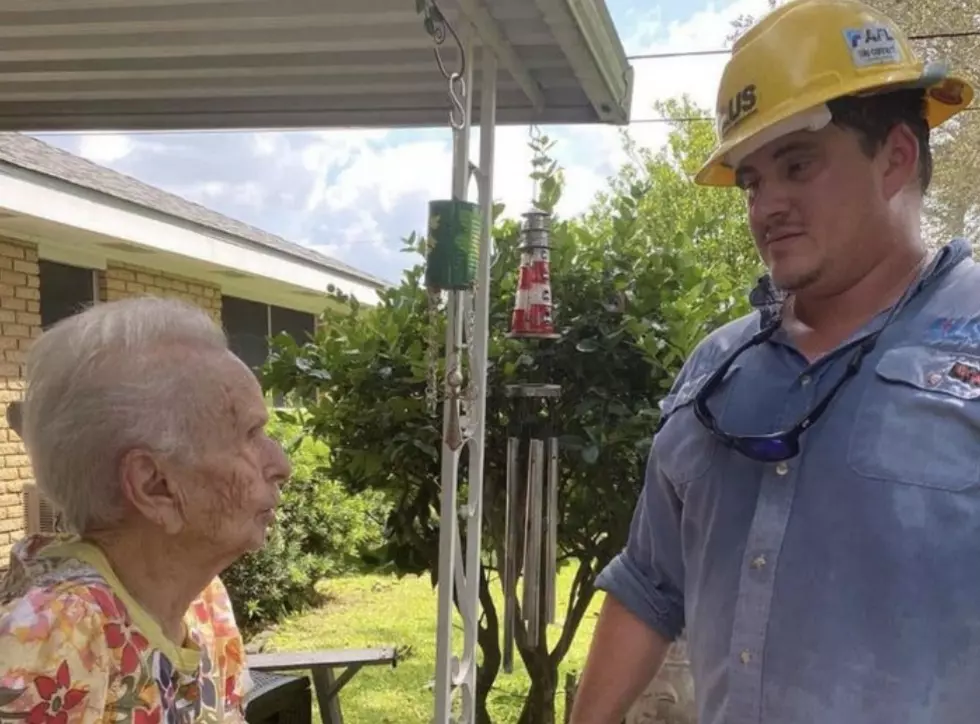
x,y
105,148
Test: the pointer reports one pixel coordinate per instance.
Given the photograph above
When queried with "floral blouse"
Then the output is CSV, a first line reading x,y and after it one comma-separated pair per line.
x,y
76,648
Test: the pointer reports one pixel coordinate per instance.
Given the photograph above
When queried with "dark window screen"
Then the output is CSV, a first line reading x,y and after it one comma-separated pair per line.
x,y
247,326
65,290
298,325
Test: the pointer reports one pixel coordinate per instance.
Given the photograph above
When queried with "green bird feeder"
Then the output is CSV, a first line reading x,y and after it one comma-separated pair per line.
x,y
454,244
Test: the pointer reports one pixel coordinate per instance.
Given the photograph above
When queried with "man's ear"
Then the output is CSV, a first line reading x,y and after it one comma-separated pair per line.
x,y
151,491
900,160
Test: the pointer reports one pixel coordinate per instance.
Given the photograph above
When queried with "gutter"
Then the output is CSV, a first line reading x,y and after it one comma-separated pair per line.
x,y
607,53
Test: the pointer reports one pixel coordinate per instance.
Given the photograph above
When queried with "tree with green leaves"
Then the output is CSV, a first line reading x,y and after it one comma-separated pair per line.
x,y
953,204
637,282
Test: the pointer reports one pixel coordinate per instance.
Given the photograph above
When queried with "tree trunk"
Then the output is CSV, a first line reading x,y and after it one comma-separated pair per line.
x,y
488,639
539,705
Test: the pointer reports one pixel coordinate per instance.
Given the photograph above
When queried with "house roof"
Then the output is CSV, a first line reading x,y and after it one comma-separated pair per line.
x,y
36,156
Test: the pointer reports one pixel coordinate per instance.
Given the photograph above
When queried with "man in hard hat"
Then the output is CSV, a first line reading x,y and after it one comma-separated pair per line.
x,y
811,512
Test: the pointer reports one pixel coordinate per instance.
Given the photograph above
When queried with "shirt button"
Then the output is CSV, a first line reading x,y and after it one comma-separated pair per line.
x,y
758,562
805,380
745,656
782,468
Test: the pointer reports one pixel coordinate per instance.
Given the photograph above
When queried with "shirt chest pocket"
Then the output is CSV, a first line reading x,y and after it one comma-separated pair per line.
x,y
685,450
919,420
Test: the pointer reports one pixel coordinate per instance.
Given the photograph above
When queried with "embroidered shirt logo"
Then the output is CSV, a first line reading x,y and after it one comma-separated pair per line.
x,y
965,373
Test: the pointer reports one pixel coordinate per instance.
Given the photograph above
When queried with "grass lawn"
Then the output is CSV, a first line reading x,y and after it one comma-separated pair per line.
x,y
379,610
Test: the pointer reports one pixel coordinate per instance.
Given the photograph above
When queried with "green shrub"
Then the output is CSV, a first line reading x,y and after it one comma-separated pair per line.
x,y
321,530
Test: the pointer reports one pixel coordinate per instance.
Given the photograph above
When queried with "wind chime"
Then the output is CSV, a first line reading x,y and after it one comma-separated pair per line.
x,y
531,531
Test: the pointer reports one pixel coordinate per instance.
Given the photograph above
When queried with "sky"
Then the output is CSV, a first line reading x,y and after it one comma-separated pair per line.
x,y
355,195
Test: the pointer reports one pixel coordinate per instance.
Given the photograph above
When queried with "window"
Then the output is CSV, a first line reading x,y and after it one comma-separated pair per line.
x,y
65,290
249,326
301,326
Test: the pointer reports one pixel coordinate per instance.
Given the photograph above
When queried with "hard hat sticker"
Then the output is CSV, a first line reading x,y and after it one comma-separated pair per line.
x,y
872,45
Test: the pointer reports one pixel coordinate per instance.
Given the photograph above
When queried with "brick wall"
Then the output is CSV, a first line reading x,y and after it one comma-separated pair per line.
x,y
20,321
120,281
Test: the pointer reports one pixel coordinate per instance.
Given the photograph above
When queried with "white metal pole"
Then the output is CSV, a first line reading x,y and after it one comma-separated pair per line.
x,y
470,604
448,520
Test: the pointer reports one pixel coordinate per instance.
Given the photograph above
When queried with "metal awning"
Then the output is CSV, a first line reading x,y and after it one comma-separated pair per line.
x,y
222,64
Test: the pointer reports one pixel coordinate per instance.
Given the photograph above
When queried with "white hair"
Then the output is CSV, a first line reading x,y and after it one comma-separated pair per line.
x,y
117,376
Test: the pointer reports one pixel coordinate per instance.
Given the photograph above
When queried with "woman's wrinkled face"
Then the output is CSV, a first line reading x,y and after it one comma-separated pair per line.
x,y
232,488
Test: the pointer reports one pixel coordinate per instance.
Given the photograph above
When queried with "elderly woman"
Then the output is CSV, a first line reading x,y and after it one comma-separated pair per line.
x,y
148,435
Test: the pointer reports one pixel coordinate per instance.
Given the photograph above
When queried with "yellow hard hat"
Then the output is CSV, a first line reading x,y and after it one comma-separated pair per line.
x,y
785,69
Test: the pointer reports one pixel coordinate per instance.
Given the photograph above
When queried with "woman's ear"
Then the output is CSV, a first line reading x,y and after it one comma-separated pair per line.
x,y
14,418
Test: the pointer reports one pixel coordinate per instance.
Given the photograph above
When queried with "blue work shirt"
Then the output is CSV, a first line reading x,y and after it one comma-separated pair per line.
x,y
842,586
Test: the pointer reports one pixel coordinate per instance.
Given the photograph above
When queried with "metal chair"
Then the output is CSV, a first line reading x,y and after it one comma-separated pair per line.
x,y
279,699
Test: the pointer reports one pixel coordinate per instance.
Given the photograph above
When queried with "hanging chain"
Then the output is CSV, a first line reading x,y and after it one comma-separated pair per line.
x,y
469,332
438,27
431,353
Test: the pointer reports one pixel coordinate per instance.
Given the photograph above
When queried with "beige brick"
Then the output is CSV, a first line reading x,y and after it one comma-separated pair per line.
x,y
13,251
29,318
16,279
11,524
14,486
34,307
28,267
15,330
16,303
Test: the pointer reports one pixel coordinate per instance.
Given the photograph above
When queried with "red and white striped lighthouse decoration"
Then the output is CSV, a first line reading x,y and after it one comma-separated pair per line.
x,y
532,306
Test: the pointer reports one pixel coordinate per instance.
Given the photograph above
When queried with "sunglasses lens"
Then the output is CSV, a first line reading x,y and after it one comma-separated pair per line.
x,y
767,451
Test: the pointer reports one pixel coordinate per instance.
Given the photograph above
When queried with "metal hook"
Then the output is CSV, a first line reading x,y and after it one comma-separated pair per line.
x,y
436,25
457,114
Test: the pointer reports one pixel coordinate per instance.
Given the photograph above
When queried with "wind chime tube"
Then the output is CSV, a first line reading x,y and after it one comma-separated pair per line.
x,y
512,504
551,541
532,561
